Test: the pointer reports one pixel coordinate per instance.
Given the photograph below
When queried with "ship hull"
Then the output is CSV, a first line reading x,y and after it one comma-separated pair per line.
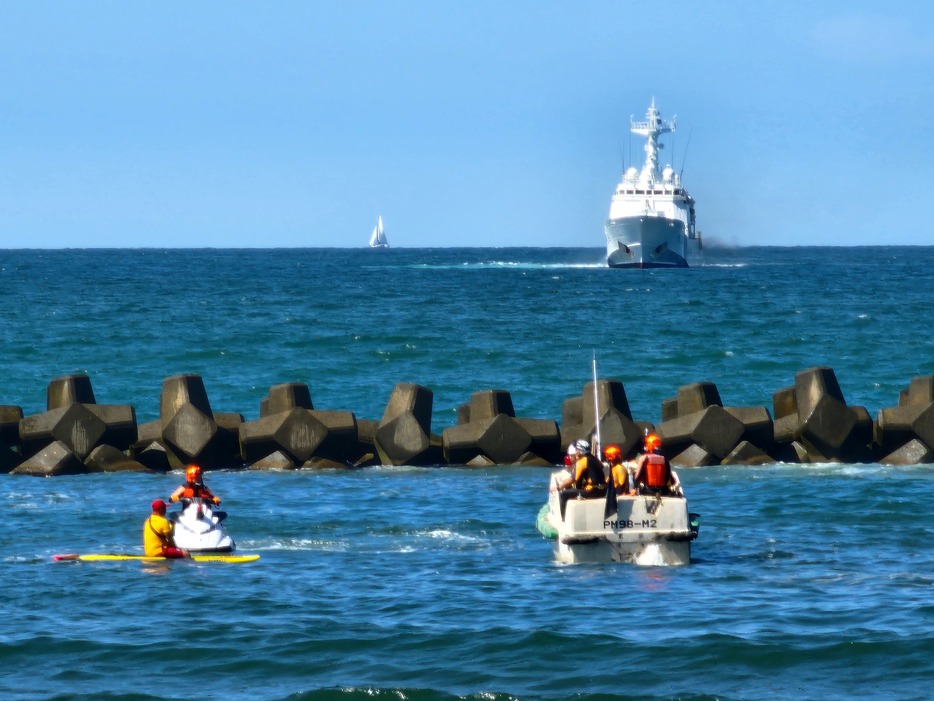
x,y
646,242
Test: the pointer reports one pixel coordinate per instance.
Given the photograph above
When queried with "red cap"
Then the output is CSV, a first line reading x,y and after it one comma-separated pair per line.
x,y
158,505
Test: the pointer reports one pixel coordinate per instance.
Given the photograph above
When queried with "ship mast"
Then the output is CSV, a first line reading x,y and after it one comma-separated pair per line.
x,y
653,127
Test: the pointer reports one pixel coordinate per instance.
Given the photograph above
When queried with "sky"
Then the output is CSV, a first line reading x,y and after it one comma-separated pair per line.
x,y
482,123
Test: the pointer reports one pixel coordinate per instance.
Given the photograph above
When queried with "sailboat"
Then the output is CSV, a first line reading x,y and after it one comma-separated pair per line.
x,y
378,237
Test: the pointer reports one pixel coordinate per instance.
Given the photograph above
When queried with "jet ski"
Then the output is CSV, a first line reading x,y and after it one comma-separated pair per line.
x,y
198,528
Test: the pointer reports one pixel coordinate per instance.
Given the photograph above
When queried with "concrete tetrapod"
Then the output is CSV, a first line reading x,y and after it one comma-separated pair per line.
x,y
10,417
69,389
912,420
55,459
715,430
81,427
285,397
829,430
301,434
616,424
404,433
106,458
188,426
914,452
488,433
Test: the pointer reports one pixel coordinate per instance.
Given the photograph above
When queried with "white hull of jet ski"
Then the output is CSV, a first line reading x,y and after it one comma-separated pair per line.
x,y
198,529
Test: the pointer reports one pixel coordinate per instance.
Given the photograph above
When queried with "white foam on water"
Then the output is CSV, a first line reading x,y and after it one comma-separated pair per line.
x,y
294,544
650,556
514,265
450,536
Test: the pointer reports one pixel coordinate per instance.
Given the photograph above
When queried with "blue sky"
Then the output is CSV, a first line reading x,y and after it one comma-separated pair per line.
x,y
480,123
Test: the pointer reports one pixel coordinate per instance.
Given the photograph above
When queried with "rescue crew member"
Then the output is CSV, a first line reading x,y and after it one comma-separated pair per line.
x,y
617,469
653,471
194,488
585,472
570,458
157,534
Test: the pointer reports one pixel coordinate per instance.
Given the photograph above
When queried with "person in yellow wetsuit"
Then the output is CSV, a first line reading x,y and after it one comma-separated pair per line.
x,y
617,469
157,534
585,473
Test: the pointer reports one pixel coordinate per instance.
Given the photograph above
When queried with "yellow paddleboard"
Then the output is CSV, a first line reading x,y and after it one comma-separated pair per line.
x,y
228,558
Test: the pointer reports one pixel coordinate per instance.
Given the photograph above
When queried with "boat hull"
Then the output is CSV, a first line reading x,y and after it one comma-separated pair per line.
x,y
644,530
646,242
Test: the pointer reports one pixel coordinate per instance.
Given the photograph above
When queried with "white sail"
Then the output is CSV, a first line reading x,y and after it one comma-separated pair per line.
x,y
378,237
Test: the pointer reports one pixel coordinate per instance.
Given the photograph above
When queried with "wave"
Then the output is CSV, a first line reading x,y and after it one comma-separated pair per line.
x,y
507,264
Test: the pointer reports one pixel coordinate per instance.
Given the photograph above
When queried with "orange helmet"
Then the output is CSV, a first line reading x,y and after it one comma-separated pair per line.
x,y
611,453
193,474
652,442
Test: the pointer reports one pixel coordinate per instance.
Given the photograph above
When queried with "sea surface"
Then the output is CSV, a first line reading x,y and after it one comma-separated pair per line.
x,y
807,581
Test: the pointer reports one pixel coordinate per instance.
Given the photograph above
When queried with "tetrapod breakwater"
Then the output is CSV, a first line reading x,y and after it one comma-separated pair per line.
x,y
809,422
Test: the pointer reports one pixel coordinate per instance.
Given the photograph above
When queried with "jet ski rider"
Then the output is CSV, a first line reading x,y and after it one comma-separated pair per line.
x,y
194,488
157,534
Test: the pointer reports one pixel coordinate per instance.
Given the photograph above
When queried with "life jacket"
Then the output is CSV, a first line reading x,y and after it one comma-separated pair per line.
x,y
589,475
198,491
157,532
656,471
620,477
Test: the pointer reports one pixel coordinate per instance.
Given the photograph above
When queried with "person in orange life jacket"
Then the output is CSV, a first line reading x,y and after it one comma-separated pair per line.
x,y
653,471
585,472
157,534
618,471
194,488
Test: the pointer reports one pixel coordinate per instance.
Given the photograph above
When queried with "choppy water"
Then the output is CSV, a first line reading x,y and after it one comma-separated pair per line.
x,y
806,581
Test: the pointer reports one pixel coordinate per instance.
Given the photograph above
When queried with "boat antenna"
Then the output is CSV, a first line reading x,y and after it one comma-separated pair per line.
x,y
685,157
630,139
596,409
621,159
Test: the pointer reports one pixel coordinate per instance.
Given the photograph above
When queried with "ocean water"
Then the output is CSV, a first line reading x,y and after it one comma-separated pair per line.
x,y
807,581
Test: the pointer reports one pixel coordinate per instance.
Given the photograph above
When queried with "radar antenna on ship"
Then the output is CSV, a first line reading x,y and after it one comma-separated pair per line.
x,y
653,127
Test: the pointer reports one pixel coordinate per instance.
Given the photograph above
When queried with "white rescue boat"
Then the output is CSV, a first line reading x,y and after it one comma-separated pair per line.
x,y
642,529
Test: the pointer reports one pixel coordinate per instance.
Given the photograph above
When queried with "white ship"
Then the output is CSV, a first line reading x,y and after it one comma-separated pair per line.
x,y
378,237
651,222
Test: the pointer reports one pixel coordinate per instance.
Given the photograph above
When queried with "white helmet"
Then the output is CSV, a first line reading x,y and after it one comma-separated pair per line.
x,y
582,446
